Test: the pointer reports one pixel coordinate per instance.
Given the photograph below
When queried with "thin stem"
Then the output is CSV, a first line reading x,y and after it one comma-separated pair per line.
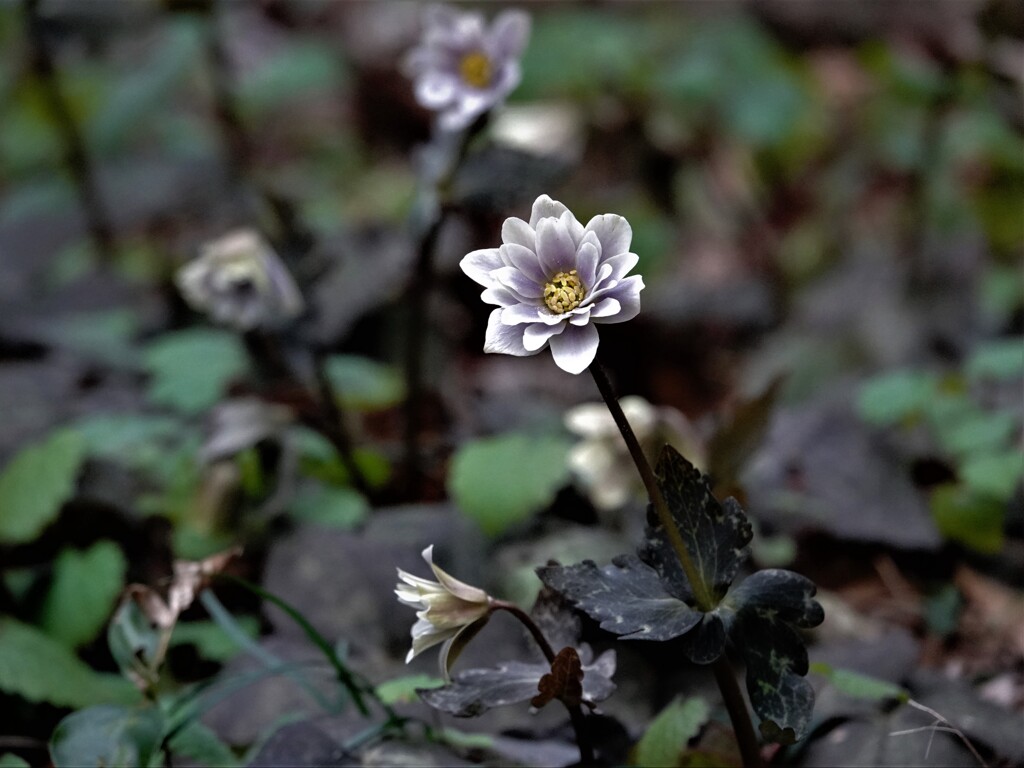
x,y
724,675
576,716
334,426
76,158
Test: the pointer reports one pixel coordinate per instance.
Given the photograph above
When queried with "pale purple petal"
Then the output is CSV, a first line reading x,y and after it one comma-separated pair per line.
x,y
627,294
478,265
580,315
504,339
517,232
606,308
614,233
555,247
536,336
573,227
525,260
544,207
517,314
501,296
586,265
622,264
509,32
435,90
512,278
574,349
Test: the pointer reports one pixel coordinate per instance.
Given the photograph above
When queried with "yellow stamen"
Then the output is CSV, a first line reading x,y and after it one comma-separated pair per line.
x,y
476,69
564,292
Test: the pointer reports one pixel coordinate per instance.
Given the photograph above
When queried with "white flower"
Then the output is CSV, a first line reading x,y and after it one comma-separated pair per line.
x,y
553,280
446,609
462,68
239,281
601,461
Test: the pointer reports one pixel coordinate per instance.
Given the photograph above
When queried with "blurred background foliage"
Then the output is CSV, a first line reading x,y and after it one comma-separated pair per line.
x,y
825,196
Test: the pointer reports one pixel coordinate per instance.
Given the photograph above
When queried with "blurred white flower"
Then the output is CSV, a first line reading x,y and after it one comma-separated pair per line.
x,y
462,68
239,281
553,280
446,609
601,462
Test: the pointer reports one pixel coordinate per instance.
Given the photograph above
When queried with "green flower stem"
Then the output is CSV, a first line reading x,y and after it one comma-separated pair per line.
x,y
724,674
576,716
334,427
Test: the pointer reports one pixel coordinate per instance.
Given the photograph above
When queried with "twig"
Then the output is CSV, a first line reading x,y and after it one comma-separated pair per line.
x,y
941,724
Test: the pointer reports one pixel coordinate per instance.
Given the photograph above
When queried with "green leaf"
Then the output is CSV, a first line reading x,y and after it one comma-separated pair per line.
x,y
133,439
108,736
210,640
200,744
995,475
976,432
303,68
860,686
716,534
333,507
9,760
627,598
666,737
35,485
38,668
402,690
974,520
84,590
1002,359
896,396
319,459
191,368
501,481
364,384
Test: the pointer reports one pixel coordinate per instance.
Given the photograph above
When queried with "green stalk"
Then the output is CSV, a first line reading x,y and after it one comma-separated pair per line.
x,y
732,696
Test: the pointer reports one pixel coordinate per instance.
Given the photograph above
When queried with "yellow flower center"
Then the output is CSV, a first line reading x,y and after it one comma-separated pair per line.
x,y
476,69
564,292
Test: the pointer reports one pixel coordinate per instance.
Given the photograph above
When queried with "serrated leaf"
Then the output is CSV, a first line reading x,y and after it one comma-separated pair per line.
x,y
38,668
402,690
364,384
762,614
107,736
84,590
501,481
474,691
858,685
666,737
35,485
893,397
715,534
191,368
626,598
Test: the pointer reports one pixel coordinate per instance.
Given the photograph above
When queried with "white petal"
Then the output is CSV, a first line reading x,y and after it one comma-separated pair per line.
x,y
606,308
586,265
614,233
518,232
501,296
435,90
621,264
555,248
627,294
513,279
510,31
519,314
544,207
575,348
525,260
478,265
573,227
504,339
536,336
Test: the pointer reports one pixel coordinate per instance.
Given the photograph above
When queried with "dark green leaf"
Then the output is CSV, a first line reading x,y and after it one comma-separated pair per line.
x,y
134,641
9,760
210,640
860,686
975,520
191,368
364,384
503,480
36,483
84,590
108,736
716,534
666,737
626,598
334,507
896,396
38,668
199,743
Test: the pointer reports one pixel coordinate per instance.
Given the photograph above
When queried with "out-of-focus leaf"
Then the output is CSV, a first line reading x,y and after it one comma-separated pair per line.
x,y
626,597
995,475
319,459
666,737
85,588
199,743
210,640
716,534
9,760
896,396
190,368
734,443
36,483
942,611
294,71
976,521
334,507
108,736
998,360
104,336
977,432
860,686
364,384
402,690
39,668
134,641
501,481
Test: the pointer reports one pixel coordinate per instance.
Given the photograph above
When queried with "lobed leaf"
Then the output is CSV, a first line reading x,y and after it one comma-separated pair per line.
x,y
85,588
